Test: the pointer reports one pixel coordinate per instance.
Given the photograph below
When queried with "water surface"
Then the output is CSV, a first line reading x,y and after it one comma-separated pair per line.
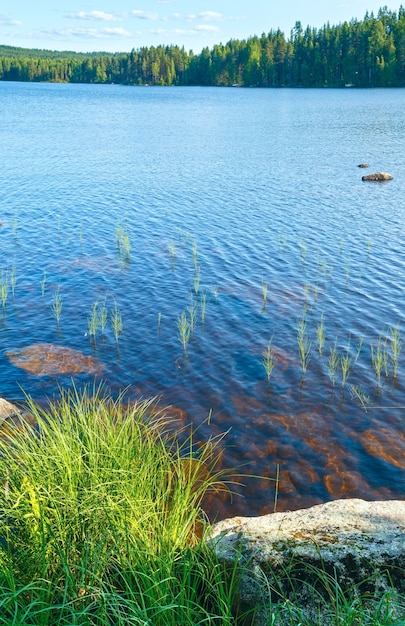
x,y
219,191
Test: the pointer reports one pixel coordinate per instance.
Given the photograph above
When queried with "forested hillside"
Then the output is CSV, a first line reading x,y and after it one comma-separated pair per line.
x,y
366,53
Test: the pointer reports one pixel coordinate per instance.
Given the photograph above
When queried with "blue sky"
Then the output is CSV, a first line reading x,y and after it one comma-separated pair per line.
x,y
120,25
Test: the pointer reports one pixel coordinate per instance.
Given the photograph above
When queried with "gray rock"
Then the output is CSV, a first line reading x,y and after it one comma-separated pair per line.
x,y
378,177
354,541
363,165
7,410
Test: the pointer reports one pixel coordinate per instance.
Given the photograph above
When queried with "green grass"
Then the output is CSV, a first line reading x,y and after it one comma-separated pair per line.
x,y
307,595
101,519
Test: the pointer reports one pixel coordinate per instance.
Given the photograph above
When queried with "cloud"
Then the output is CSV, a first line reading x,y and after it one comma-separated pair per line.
x,y
144,15
85,33
207,28
7,21
205,16
94,15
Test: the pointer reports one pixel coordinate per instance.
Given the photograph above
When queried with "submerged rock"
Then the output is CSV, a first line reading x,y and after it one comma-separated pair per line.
x,y
353,541
48,359
363,165
379,177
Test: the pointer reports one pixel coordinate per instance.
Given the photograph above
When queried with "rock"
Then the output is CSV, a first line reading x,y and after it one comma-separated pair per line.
x,y
7,410
48,359
363,165
379,177
353,541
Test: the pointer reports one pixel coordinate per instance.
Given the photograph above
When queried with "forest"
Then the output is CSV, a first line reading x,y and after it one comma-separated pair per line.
x,y
359,53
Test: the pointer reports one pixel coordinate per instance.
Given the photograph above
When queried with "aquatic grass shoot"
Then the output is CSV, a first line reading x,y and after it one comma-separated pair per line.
x,y
363,399
93,322
103,316
123,242
333,363
43,284
304,344
4,289
116,322
203,306
197,279
195,254
345,363
57,305
359,346
269,360
320,334
396,345
13,280
184,329
379,357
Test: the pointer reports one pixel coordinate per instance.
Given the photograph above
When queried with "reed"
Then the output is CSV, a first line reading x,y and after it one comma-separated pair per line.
x,y
396,345
364,400
13,280
192,315
43,283
103,316
184,329
269,360
4,289
303,252
345,363
15,223
215,292
197,279
203,305
304,345
195,254
116,322
359,346
123,242
379,357
320,334
57,305
159,318
93,322
333,363
172,250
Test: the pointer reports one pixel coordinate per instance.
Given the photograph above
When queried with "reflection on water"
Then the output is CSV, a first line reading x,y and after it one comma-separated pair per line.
x,y
127,224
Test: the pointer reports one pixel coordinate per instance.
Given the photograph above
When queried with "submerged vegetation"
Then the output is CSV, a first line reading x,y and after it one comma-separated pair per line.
x,y
361,53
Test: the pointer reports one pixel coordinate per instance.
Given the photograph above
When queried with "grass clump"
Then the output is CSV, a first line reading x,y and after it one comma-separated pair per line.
x,y
101,519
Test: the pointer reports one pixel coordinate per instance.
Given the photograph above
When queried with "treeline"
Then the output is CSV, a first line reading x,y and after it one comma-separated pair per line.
x,y
366,53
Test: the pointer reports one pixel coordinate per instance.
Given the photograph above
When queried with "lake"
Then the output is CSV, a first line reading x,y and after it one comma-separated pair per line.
x,y
221,228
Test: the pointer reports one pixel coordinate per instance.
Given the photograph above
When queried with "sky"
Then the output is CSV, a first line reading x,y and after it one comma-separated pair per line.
x,y
120,25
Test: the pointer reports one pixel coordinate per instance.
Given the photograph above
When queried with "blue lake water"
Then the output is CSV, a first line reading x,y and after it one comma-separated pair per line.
x,y
244,210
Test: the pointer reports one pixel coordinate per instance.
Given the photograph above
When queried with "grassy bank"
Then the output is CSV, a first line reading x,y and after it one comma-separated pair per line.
x,y
101,519
102,524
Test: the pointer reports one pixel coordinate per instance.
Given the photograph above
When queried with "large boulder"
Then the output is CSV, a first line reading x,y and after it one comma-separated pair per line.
x,y
354,542
378,177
